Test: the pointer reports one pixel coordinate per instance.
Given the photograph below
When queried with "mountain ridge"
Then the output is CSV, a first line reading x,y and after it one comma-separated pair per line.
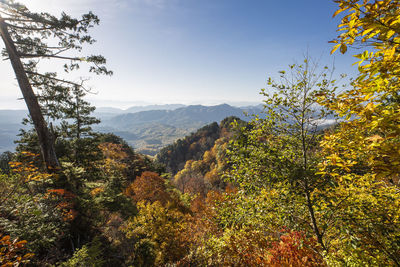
x,y
147,131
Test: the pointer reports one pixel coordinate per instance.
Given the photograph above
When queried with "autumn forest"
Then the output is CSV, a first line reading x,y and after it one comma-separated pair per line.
x,y
313,180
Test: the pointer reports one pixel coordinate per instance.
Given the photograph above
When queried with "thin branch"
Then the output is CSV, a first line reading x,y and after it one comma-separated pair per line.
x,y
49,56
55,79
19,20
30,28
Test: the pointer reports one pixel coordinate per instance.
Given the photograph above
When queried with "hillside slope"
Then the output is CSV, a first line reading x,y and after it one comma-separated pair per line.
x,y
149,131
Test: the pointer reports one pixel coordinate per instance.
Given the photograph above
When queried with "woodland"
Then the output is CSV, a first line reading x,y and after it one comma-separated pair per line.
x,y
284,189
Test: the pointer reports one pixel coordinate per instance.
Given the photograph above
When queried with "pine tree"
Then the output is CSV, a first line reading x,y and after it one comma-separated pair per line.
x,y
79,130
30,37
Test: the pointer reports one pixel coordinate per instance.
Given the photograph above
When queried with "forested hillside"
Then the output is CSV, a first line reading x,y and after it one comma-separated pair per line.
x,y
149,131
192,147
279,190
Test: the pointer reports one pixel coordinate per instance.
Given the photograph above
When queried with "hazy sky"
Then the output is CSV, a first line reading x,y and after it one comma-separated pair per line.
x,y
194,51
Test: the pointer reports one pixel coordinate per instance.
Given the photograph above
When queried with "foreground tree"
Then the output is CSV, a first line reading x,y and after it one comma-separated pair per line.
x,y
362,156
280,153
29,37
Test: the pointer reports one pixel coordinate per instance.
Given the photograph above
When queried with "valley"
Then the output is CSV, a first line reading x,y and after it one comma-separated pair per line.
x,y
146,128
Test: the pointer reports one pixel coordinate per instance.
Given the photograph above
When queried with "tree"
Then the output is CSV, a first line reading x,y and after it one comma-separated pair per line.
x,y
279,153
5,158
373,100
362,156
158,234
29,37
149,187
80,132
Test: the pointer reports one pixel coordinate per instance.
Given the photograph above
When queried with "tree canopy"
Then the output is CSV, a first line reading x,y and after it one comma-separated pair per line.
x,y
31,37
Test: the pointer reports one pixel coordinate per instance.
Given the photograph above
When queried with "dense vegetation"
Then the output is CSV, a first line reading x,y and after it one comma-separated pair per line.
x,y
277,191
192,147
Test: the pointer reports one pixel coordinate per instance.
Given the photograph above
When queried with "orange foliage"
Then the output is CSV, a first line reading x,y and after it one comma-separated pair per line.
x,y
294,249
65,202
96,191
148,187
202,224
27,168
12,252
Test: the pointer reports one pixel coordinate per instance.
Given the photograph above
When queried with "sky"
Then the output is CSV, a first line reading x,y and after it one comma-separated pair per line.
x,y
193,51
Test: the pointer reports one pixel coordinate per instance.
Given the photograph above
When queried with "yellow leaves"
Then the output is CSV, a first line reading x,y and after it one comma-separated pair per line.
x,y
29,171
368,111
390,34
342,46
367,31
362,155
115,157
375,138
15,164
390,53
337,12
368,97
334,158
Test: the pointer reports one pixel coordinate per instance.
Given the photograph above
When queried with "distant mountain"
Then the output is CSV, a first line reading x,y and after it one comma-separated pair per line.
x,y
10,123
109,110
181,117
149,131
153,107
105,113
134,109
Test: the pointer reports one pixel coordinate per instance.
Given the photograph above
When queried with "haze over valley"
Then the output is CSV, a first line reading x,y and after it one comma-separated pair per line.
x,y
146,128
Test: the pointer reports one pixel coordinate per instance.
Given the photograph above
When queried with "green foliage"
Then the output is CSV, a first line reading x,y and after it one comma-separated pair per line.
x,y
30,37
89,255
191,147
277,156
29,214
295,194
5,158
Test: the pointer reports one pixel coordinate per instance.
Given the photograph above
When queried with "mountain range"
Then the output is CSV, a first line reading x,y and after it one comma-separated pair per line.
x,y
146,128
149,131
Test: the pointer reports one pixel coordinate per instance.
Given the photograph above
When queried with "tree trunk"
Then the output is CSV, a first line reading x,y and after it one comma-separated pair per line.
x,y
46,139
314,221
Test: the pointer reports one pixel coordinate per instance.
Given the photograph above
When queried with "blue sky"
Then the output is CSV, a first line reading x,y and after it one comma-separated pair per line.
x,y
196,51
